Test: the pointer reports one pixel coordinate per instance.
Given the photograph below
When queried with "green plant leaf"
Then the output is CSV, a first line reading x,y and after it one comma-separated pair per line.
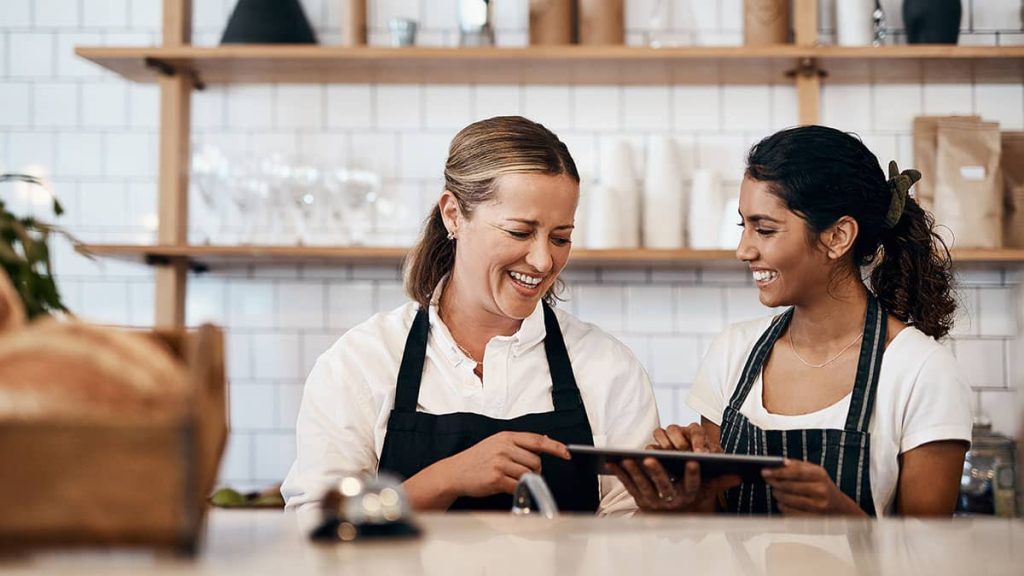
x,y
25,255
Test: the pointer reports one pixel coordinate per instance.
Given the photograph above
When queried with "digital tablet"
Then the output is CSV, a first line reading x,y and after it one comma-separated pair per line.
x,y
674,462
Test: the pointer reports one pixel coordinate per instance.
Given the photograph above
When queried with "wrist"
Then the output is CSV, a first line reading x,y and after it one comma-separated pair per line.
x,y
847,506
432,488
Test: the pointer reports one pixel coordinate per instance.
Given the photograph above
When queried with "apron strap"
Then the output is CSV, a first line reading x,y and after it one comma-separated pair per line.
x,y
752,369
565,394
407,392
862,401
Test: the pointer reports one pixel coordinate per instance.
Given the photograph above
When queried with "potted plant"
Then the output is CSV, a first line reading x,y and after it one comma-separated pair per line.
x,y
25,254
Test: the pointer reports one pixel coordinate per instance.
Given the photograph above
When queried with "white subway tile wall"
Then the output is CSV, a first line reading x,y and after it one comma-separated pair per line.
x,y
95,135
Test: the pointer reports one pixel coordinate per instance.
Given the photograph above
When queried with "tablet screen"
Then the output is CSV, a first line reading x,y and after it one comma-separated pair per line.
x,y
711,464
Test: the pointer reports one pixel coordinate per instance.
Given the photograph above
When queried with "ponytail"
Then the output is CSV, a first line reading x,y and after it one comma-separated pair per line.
x,y
913,276
430,260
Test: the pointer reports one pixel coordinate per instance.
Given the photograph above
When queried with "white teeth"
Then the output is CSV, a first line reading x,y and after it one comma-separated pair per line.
x,y
764,275
529,280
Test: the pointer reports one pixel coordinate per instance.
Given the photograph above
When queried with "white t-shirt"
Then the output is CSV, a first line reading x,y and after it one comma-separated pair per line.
x,y
921,398
350,392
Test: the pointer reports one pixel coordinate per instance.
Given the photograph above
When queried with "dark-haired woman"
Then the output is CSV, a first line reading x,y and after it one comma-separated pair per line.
x,y
478,379
848,384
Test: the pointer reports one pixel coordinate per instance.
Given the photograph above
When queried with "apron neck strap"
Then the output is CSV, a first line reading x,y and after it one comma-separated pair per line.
x,y
757,357
565,394
872,346
411,371
862,400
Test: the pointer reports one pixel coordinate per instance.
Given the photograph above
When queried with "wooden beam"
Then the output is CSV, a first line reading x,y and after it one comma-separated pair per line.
x,y
177,23
805,22
808,91
175,128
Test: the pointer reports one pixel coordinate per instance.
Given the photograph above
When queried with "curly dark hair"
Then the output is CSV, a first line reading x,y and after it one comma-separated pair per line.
x,y
823,174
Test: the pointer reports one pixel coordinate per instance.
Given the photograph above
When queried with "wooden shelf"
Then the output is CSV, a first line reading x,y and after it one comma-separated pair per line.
x,y
206,257
537,65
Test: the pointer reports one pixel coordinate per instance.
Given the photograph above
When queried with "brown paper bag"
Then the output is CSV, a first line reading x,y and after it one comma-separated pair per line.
x,y
602,22
765,22
551,22
968,185
1013,189
926,140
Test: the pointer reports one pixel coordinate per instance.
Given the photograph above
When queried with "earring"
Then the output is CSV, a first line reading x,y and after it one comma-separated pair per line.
x,y
451,235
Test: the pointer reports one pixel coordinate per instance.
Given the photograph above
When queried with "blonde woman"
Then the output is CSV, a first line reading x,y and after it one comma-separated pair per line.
x,y
479,379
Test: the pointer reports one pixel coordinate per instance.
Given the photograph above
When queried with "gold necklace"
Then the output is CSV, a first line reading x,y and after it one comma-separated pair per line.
x,y
464,351
827,362
457,345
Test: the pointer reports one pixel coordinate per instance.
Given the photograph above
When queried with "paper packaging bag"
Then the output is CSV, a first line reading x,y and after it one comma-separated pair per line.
x,y
969,187
926,140
765,22
551,22
1013,189
602,22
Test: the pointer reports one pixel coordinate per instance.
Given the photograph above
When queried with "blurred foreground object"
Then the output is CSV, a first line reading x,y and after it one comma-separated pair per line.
x,y
109,437
359,507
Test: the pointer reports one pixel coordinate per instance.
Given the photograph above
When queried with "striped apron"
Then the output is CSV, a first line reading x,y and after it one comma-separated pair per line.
x,y
844,454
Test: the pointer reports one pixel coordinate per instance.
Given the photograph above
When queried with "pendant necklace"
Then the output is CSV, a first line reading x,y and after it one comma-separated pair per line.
x,y
457,345
827,362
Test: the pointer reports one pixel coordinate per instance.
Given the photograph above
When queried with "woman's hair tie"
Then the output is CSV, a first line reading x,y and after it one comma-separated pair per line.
x,y
899,187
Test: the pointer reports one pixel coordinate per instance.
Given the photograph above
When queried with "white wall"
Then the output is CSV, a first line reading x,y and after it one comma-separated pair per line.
x,y
95,135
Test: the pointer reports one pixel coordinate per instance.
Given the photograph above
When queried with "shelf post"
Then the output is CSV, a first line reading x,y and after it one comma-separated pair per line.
x,y
808,86
175,127
805,22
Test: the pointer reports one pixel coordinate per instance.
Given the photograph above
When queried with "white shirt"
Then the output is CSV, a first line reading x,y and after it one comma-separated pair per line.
x,y
921,398
350,392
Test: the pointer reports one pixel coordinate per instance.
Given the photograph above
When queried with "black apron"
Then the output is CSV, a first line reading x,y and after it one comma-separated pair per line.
x,y
415,440
845,454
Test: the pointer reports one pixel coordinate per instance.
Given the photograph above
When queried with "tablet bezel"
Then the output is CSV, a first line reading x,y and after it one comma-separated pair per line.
x,y
713,464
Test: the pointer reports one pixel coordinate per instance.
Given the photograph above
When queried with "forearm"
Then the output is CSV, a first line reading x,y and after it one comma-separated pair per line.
x,y
431,488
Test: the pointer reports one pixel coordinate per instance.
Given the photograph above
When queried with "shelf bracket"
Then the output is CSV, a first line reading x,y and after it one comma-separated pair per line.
x,y
164,260
807,68
166,69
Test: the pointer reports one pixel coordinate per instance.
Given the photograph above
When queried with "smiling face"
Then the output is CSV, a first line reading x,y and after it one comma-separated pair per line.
x,y
788,270
512,248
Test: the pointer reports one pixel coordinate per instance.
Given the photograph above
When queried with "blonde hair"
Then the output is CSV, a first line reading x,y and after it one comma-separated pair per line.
x,y
478,155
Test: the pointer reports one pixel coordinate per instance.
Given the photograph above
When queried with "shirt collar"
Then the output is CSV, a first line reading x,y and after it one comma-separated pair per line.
x,y
531,332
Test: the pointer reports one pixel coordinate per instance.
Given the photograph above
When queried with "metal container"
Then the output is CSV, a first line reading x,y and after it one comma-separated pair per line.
x,y
475,28
988,484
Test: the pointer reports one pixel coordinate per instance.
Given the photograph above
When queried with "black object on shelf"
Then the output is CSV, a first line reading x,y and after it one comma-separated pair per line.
x,y
268,22
932,21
